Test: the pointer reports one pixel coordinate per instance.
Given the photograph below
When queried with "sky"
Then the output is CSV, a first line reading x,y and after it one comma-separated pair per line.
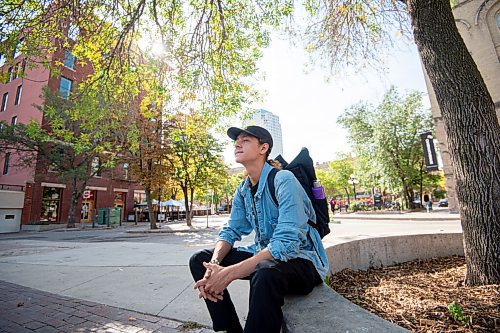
x,y
308,105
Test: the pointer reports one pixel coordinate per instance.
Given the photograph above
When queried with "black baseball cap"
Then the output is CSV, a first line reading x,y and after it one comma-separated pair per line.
x,y
259,132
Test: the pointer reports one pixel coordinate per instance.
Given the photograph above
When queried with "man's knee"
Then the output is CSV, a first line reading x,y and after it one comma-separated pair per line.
x,y
265,273
196,261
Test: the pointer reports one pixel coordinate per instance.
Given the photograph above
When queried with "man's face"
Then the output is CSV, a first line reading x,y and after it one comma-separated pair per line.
x,y
248,149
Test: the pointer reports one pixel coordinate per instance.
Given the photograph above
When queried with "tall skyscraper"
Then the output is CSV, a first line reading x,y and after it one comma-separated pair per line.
x,y
271,122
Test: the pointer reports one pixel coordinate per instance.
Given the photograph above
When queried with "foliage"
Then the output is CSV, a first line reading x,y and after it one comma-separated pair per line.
x,y
386,138
457,313
211,47
335,178
196,158
353,33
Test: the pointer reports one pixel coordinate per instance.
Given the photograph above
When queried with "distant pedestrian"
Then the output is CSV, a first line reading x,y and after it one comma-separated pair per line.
x,y
428,203
333,204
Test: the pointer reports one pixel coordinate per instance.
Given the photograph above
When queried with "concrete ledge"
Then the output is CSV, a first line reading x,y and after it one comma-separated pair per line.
x,y
387,251
324,310
41,227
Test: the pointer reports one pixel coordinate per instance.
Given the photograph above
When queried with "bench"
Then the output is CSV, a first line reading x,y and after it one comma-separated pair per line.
x,y
325,311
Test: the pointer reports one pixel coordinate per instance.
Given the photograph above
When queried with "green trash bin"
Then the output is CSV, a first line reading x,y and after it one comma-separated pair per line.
x,y
103,216
115,215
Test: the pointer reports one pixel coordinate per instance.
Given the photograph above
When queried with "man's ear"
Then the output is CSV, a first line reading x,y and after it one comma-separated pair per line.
x,y
262,148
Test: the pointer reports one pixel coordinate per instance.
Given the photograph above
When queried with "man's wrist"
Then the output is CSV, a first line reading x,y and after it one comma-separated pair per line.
x,y
215,261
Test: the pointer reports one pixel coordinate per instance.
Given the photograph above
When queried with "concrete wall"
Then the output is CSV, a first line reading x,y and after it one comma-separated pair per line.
x,y
476,22
387,251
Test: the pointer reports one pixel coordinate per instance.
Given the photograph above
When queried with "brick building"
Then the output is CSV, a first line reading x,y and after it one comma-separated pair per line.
x,y
33,194
478,22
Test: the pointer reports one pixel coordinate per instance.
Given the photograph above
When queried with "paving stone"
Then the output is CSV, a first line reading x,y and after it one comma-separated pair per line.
x,y
74,320
46,329
43,312
52,322
33,325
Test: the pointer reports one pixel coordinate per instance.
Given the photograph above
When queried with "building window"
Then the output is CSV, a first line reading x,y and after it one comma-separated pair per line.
x,y
4,102
18,94
125,170
14,120
17,68
497,17
24,66
69,59
10,75
17,51
96,167
51,202
73,31
6,164
65,87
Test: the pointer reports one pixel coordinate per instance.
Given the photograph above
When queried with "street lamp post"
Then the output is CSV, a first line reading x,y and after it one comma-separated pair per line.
x,y
353,180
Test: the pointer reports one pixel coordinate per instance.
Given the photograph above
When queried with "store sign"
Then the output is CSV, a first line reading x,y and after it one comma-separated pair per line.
x,y
431,163
87,194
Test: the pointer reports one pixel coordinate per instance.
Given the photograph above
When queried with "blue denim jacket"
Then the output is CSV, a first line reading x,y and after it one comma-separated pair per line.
x,y
284,231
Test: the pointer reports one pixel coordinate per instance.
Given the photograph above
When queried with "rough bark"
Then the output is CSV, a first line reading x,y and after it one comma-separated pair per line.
x,y
186,205
473,132
72,207
152,215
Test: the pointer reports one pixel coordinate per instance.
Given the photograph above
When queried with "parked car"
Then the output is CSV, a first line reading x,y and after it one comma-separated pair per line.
x,y
443,202
224,208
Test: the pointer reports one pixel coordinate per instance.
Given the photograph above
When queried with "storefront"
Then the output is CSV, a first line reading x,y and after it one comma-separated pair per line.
x,y
51,204
89,198
120,200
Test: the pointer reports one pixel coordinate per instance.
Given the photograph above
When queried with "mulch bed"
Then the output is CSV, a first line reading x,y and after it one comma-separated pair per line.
x,y
416,295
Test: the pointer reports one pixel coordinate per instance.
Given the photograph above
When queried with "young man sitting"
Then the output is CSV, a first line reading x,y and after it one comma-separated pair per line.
x,y
287,256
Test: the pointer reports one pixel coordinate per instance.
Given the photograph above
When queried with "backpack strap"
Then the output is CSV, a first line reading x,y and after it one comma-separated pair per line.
x,y
270,184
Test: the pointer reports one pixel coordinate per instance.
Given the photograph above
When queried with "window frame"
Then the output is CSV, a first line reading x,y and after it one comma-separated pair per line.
x,y
5,100
19,92
6,163
67,56
63,79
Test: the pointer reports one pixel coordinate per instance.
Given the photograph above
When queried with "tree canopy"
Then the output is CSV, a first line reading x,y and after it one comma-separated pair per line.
x,y
386,139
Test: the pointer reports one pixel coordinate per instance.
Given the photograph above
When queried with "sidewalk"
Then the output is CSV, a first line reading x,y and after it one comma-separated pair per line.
x,y
24,309
131,267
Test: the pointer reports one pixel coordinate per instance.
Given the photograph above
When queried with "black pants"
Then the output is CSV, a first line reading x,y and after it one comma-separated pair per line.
x,y
269,284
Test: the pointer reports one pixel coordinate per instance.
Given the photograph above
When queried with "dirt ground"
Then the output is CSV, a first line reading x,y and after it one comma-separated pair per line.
x,y
416,295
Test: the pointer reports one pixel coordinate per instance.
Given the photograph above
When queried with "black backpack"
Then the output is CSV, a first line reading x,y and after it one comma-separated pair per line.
x,y
303,169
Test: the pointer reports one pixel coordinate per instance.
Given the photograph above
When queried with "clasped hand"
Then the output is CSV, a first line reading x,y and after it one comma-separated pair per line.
x,y
213,283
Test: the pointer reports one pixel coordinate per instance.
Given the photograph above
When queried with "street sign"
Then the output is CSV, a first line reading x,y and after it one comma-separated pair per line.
x,y
431,163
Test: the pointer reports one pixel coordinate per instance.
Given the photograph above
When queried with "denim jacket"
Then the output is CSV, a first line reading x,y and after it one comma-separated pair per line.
x,y
284,231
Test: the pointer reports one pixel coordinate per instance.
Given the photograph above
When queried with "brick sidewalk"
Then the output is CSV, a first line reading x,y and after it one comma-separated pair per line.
x,y
24,309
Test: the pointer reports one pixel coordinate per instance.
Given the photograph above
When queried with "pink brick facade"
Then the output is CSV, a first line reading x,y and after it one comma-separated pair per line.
x,y
110,190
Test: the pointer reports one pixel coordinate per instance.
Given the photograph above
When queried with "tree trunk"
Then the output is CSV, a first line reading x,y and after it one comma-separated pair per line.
x,y
72,206
186,205
152,215
472,129
72,209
